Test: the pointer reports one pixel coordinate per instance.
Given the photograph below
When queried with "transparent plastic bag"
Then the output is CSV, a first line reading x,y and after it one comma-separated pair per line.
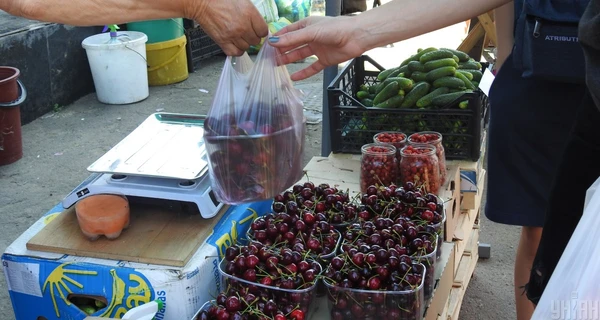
x,y
255,131
572,291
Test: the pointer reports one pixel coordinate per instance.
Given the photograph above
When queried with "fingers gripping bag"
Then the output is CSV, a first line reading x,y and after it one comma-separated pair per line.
x,y
255,132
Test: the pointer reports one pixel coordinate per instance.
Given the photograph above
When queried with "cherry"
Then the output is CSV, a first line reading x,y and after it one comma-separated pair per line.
x,y
233,304
221,299
337,263
250,275
374,283
231,253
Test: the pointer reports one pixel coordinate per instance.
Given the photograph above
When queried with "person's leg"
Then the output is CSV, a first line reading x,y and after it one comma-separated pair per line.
x,y
580,167
528,245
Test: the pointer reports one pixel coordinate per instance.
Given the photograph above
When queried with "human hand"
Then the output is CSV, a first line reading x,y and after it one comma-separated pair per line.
x,y
332,39
234,25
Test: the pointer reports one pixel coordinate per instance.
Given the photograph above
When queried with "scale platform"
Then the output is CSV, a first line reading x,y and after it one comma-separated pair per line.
x,y
164,158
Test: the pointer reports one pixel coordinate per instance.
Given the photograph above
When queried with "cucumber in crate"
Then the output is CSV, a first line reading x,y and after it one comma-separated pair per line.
x,y
433,90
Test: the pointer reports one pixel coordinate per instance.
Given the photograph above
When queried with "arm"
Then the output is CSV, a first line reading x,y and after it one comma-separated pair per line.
x,y
400,20
335,40
233,32
97,12
504,20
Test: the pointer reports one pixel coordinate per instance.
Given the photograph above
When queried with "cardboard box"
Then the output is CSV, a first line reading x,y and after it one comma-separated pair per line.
x,y
470,178
469,199
41,283
444,275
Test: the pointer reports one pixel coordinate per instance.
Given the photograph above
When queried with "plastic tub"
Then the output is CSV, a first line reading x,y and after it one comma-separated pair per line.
x,y
205,306
167,62
103,214
303,298
159,30
118,66
349,303
429,261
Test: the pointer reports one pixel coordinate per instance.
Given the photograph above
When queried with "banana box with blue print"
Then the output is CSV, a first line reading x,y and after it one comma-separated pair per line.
x,y
52,286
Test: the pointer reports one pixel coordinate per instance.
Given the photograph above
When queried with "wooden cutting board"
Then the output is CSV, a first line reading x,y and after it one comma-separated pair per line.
x,y
163,235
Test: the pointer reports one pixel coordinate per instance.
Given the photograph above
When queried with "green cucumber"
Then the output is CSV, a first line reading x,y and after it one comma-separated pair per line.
x,y
409,59
463,104
462,57
362,95
465,80
434,64
426,100
363,87
470,65
367,102
386,73
422,52
450,82
435,55
404,83
389,91
393,102
402,69
419,76
373,89
416,66
467,74
418,92
440,72
445,99
476,74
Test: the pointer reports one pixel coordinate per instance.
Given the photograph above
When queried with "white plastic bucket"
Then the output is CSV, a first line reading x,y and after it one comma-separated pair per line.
x,y
118,66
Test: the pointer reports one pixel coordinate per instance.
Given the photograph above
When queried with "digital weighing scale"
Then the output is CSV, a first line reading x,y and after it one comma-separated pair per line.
x,y
164,158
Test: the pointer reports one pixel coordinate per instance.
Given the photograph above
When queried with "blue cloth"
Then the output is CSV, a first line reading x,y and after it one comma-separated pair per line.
x,y
529,123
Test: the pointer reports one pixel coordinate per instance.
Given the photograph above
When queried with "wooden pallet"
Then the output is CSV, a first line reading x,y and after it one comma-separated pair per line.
x,y
466,246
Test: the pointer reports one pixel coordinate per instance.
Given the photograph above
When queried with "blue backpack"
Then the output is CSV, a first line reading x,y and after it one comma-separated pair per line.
x,y
546,42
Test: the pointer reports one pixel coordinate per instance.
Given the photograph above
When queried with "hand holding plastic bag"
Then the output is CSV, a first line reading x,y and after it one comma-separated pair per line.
x,y
573,291
255,131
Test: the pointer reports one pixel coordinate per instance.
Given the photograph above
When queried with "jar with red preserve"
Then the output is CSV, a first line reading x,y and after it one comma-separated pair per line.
x,y
435,139
379,165
420,165
395,138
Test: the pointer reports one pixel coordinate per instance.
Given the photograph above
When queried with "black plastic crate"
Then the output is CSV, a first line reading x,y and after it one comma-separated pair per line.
x,y
352,124
200,45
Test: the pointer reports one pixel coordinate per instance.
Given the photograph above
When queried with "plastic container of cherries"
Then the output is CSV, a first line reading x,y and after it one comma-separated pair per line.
x,y
378,290
279,281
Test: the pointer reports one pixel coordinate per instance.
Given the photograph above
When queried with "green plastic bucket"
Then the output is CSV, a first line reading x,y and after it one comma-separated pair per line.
x,y
159,30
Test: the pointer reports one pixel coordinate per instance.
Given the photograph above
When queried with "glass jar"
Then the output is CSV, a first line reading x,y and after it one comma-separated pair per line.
x,y
420,165
435,139
378,166
395,138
